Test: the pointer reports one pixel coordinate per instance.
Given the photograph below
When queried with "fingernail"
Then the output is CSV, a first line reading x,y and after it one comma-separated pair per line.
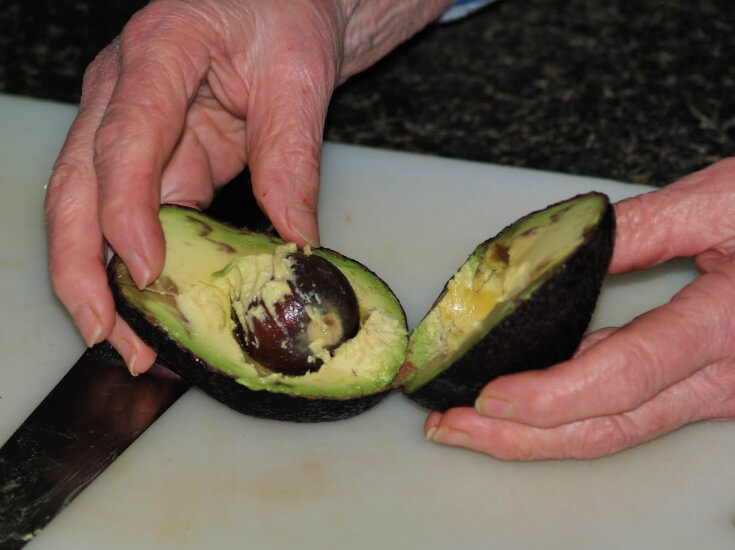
x,y
450,436
430,433
129,354
494,406
302,219
88,324
136,264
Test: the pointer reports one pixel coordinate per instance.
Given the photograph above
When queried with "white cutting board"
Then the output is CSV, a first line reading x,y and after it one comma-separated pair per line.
x,y
206,477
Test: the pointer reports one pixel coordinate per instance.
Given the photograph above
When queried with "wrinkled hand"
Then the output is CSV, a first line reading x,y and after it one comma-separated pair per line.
x,y
669,367
174,108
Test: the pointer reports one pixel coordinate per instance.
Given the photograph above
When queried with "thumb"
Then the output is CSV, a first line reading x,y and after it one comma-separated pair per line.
x,y
285,125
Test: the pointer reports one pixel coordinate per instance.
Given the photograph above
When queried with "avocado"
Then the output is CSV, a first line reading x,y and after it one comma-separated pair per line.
x,y
311,335
267,329
521,301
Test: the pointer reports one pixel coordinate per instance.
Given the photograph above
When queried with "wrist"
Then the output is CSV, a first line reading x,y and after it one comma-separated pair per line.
x,y
374,27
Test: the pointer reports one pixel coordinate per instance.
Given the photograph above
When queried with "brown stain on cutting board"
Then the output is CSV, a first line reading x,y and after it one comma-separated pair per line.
x,y
179,501
306,479
194,504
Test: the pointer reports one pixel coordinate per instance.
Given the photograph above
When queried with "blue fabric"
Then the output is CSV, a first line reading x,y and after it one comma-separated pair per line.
x,y
462,8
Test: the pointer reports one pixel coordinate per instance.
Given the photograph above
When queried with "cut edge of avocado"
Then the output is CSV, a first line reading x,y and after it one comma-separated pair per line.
x,y
521,301
214,363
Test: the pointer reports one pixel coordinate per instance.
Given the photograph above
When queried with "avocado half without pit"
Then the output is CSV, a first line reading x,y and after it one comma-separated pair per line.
x,y
310,335
271,331
521,301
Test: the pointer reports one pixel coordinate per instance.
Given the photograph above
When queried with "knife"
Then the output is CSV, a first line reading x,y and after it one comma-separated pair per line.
x,y
92,415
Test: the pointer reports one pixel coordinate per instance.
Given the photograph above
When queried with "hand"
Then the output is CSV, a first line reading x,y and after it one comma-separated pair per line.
x,y
669,367
175,107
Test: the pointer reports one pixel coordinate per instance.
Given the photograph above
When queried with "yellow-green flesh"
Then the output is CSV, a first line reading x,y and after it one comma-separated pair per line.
x,y
190,302
484,290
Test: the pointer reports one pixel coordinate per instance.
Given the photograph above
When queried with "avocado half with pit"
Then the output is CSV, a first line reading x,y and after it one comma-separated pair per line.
x,y
521,301
269,330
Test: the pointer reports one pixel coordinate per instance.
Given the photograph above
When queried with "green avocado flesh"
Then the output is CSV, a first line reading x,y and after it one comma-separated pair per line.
x,y
209,264
523,261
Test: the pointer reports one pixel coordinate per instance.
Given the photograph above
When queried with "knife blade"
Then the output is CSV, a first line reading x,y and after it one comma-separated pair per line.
x,y
92,415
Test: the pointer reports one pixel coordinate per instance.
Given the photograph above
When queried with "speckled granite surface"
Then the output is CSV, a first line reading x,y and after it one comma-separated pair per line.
x,y
635,90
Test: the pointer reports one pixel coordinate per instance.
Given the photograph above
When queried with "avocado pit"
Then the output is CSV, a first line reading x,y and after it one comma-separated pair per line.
x,y
308,308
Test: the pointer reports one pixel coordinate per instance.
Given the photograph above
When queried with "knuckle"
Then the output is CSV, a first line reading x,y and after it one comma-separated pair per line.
x,y
716,395
115,217
524,451
507,444
106,139
61,211
60,199
605,436
144,23
116,143
64,279
107,135
723,170
540,405
92,75
638,376
305,171
708,310
510,442
102,70
159,22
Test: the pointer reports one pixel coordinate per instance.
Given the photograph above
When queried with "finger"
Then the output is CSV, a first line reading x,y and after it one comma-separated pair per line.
x,y
508,440
285,122
679,220
76,252
137,356
187,178
216,126
209,154
625,369
284,167
593,338
708,394
160,73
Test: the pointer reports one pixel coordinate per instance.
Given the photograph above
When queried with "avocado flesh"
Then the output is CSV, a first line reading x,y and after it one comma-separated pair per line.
x,y
191,303
500,272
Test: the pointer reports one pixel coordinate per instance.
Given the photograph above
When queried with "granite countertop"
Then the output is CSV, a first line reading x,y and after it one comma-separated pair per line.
x,y
637,91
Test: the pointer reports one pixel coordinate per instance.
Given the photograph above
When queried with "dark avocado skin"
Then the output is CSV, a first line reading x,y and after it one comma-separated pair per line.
x,y
224,388
543,330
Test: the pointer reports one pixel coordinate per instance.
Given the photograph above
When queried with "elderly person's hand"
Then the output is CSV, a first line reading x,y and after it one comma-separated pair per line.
x,y
667,368
190,93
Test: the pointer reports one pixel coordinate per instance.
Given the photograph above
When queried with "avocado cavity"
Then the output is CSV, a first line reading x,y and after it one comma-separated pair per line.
x,y
291,309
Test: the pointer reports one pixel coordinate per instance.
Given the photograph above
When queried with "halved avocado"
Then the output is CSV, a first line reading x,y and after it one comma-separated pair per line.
x,y
187,316
521,301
